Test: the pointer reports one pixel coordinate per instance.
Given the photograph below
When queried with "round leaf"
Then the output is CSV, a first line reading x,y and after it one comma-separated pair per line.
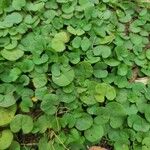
x,y
84,123
94,134
58,45
65,78
7,100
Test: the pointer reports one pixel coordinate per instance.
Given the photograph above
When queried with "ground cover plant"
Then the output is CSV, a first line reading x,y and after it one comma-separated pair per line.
x,y
74,74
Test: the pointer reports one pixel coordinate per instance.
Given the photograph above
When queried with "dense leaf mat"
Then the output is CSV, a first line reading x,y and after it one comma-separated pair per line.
x,y
70,74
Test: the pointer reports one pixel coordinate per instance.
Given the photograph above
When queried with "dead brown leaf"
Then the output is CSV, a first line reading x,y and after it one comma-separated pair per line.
x,y
97,148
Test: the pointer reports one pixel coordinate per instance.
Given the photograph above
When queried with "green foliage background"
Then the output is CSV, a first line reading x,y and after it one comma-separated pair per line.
x,y
69,72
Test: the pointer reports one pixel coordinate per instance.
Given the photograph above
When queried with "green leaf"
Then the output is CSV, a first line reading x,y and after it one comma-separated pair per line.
x,y
43,144
6,138
122,69
138,123
148,54
3,4
38,60
84,123
112,62
58,45
85,44
66,76
83,69
23,122
14,146
26,65
94,134
12,55
102,117
59,40
107,39
136,39
146,141
13,18
7,100
111,93
62,36
49,104
41,124
14,74
147,113
7,115
35,6
117,114
102,50
73,31
26,104
119,146
76,42
67,97
40,80
17,4
100,70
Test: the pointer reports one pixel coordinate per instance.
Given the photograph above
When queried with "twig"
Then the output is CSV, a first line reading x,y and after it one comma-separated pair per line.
x,y
29,144
143,80
60,141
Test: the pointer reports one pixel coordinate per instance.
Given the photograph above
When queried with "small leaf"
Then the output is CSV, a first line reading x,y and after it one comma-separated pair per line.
x,y
76,42
107,39
49,104
111,93
136,39
58,45
40,80
27,65
13,18
112,62
83,69
23,122
85,44
7,100
148,54
119,146
66,76
95,133
62,36
7,115
17,4
14,146
102,50
138,123
12,55
122,69
84,123
6,138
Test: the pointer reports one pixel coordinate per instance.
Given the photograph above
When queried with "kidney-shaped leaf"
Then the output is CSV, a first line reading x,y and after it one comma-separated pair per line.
x,y
65,77
12,55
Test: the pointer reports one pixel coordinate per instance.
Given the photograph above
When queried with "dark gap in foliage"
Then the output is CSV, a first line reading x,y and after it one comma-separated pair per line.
x,y
29,140
105,143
